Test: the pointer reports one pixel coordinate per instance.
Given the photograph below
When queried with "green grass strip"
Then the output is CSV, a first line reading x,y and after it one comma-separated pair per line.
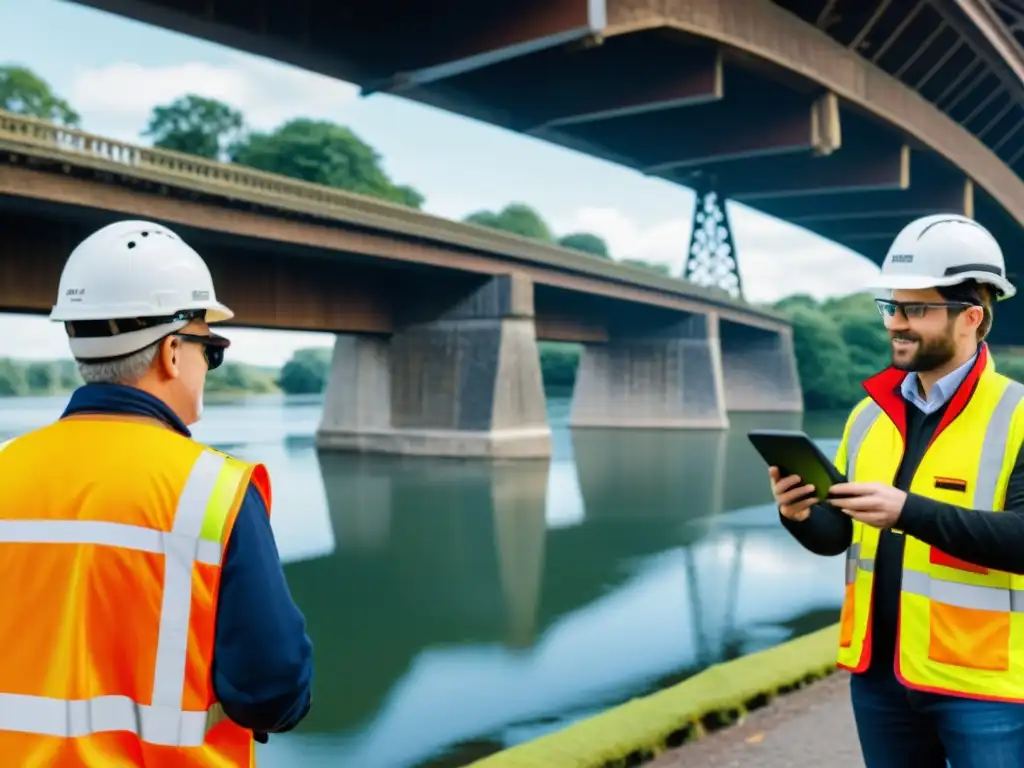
x,y
638,730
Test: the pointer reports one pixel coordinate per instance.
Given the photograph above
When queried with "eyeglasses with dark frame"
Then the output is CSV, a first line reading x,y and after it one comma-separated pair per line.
x,y
213,347
917,309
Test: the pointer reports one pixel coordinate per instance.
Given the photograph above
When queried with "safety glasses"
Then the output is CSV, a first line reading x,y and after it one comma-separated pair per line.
x,y
213,347
916,309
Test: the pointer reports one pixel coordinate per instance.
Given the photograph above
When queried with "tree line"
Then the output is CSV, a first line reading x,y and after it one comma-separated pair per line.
x,y
839,342
317,151
19,378
306,372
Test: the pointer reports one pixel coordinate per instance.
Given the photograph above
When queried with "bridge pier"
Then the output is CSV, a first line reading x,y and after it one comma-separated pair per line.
x,y
759,370
669,378
465,383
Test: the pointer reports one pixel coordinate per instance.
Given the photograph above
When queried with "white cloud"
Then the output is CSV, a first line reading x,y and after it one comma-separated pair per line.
x,y
116,100
776,259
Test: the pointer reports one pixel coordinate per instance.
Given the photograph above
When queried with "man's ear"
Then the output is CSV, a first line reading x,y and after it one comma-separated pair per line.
x,y
168,355
975,316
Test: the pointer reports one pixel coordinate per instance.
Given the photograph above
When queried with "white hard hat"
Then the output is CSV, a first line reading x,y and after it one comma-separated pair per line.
x,y
941,250
130,284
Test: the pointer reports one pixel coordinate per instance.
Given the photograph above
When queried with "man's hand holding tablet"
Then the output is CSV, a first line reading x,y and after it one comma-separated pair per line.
x,y
794,498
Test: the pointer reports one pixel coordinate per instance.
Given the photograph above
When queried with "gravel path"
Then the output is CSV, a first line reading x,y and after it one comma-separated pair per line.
x,y
809,728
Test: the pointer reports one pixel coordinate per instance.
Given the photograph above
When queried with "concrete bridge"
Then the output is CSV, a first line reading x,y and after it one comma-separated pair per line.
x,y
844,116
437,321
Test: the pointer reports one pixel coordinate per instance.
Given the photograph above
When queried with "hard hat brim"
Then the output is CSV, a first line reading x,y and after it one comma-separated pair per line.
x,y
103,347
885,282
217,312
107,347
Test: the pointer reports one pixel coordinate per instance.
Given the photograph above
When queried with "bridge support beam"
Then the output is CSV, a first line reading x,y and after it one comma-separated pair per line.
x,y
759,370
668,378
465,384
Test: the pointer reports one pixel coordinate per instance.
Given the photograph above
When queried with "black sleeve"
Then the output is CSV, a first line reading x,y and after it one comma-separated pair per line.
x,y
824,532
989,539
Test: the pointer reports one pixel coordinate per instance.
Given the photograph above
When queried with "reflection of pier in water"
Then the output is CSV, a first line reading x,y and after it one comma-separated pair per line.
x,y
460,555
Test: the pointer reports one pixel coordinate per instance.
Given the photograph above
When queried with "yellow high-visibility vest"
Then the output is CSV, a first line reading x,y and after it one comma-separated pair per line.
x,y
961,626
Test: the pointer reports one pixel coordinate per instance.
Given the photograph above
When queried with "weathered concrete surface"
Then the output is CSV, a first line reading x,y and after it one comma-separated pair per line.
x,y
668,378
466,383
810,728
759,370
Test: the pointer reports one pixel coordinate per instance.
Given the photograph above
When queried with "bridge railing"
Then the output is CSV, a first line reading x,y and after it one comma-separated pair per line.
x,y
41,139
47,136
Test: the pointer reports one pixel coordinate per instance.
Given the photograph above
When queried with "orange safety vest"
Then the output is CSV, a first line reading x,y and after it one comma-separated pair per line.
x,y
112,535
961,626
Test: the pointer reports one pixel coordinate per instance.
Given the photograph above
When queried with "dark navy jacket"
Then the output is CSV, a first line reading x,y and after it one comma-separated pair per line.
x,y
262,658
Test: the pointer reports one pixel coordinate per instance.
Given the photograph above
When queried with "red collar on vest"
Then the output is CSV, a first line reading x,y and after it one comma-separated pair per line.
x,y
884,389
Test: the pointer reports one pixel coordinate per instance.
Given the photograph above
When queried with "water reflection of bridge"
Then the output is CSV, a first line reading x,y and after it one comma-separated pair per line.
x,y
446,575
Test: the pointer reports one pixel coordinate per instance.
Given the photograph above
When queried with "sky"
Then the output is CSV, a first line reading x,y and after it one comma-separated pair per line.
x,y
113,71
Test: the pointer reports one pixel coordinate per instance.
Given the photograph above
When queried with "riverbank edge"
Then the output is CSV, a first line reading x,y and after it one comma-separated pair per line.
x,y
640,730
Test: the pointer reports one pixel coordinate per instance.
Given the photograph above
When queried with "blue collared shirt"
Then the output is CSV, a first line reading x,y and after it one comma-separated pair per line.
x,y
262,656
941,391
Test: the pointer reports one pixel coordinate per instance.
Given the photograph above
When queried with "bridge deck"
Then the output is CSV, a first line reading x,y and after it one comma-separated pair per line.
x,y
376,228
808,729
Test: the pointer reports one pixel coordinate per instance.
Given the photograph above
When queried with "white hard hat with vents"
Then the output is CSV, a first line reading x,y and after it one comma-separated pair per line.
x,y
941,250
130,284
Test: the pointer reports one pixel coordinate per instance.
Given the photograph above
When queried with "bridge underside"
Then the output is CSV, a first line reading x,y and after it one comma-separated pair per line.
x,y
431,359
845,117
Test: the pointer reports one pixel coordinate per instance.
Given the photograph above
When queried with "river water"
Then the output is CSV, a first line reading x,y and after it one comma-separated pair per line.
x,y
459,607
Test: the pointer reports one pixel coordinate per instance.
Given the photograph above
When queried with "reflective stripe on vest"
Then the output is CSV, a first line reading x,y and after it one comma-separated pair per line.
x,y
202,511
854,562
993,451
862,422
962,595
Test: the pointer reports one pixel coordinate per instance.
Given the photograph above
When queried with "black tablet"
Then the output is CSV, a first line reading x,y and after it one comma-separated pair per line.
x,y
794,453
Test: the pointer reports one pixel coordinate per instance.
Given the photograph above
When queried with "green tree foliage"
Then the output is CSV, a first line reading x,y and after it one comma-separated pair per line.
x,y
517,218
13,380
52,377
823,360
863,333
521,219
1011,365
43,377
839,343
25,93
586,242
307,371
70,378
558,364
323,153
196,125
240,377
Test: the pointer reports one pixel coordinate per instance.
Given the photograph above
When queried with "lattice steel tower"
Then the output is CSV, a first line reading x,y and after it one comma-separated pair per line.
x,y
711,259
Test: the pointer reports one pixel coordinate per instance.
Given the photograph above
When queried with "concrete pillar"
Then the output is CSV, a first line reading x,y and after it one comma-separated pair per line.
x,y
464,384
669,378
759,370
